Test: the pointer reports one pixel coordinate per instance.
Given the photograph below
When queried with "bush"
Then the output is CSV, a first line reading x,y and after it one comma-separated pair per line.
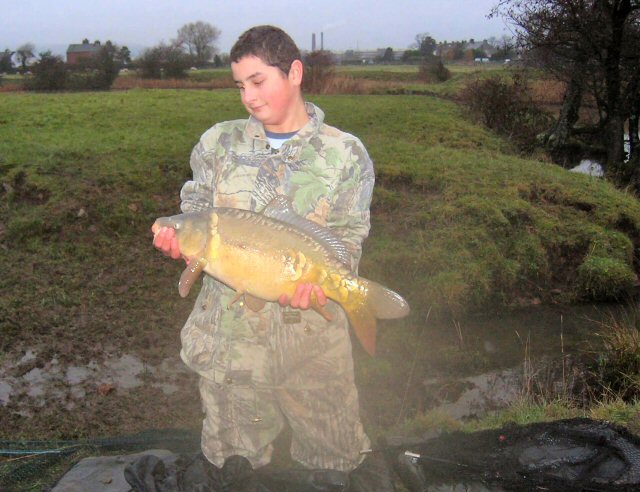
x,y
96,73
48,74
615,369
507,108
164,61
318,72
603,278
433,70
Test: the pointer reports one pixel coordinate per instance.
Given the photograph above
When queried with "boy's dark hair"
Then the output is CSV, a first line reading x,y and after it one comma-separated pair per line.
x,y
271,44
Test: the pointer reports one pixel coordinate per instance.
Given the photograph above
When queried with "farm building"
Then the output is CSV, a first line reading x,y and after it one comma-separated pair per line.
x,y
77,52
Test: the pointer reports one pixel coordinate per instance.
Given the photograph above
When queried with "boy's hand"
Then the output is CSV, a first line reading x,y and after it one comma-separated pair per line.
x,y
164,238
302,297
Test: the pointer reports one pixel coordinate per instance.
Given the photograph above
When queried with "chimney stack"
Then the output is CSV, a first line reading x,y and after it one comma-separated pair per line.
x,y
322,41
313,41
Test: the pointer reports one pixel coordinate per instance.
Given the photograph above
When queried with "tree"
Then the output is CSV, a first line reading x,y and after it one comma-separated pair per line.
x,y
163,61
99,71
107,65
388,55
505,48
425,44
199,39
6,61
48,73
25,53
594,46
457,52
125,55
412,56
318,71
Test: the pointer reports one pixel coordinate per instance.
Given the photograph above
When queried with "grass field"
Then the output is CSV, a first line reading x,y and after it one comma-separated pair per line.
x,y
461,224
496,223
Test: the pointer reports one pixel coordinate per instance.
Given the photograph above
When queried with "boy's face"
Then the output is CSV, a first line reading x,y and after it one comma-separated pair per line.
x,y
267,93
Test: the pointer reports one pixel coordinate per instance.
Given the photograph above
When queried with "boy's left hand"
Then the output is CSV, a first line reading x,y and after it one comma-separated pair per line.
x,y
301,298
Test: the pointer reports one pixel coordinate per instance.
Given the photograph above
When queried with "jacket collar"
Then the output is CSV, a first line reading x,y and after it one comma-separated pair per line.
x,y
255,129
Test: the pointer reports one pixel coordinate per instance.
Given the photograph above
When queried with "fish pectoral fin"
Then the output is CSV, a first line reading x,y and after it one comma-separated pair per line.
x,y
235,299
254,303
190,275
321,310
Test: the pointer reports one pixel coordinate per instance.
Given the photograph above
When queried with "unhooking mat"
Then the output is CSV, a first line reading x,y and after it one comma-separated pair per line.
x,y
566,455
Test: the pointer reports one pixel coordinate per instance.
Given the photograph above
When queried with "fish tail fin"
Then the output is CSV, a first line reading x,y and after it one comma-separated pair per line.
x,y
377,302
363,323
385,303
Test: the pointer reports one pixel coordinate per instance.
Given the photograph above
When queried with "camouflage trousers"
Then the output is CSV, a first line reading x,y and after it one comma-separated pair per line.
x,y
296,369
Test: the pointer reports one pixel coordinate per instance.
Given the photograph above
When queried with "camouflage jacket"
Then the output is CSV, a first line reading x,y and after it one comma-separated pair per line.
x,y
326,173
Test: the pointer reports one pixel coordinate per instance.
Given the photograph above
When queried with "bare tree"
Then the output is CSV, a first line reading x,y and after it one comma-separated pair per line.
x,y
25,53
199,39
593,45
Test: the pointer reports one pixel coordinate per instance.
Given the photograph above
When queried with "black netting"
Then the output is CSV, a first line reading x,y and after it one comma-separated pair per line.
x,y
567,455
36,465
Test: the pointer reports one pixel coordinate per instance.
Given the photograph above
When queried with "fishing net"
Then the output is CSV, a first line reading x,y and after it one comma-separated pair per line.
x,y
567,455
36,465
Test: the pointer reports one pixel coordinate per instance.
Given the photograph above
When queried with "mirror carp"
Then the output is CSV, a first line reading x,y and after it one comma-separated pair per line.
x,y
264,255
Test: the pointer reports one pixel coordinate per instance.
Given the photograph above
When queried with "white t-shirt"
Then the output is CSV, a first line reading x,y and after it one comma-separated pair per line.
x,y
277,139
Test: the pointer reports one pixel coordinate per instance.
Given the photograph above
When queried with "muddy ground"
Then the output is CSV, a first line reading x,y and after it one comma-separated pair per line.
x,y
123,374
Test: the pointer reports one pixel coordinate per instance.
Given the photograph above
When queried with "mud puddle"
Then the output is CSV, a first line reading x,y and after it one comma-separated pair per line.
x,y
28,387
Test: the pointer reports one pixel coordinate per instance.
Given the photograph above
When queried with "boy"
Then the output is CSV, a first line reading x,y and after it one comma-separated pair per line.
x,y
285,363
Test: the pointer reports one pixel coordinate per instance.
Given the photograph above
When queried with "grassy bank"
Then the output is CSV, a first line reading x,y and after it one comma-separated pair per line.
x,y
479,224
460,224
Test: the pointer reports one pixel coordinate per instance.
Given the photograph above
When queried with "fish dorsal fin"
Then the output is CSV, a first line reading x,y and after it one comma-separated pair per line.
x,y
281,208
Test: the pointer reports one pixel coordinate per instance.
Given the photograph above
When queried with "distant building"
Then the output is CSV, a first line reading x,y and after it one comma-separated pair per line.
x,y
364,56
84,51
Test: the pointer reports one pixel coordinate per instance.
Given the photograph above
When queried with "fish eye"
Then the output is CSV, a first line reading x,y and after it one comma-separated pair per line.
x,y
176,226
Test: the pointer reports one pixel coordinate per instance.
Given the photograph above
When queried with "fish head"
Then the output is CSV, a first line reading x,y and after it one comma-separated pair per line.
x,y
192,231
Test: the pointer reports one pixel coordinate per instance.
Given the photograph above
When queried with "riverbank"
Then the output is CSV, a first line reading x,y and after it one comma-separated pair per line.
x,y
462,227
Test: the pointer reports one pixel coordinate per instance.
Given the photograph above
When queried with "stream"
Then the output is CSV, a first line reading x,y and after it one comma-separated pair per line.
x,y
514,345
528,350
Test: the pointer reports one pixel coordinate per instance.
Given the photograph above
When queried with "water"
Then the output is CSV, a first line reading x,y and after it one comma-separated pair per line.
x,y
524,350
593,168
538,335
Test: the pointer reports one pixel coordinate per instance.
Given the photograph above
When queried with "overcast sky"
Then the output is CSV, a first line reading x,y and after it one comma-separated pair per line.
x,y
347,24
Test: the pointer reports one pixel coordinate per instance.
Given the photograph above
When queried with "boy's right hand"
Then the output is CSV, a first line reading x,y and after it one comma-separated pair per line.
x,y
164,238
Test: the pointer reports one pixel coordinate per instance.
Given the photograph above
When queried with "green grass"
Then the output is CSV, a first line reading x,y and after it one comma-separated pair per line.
x,y
478,223
400,78
526,412
459,223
